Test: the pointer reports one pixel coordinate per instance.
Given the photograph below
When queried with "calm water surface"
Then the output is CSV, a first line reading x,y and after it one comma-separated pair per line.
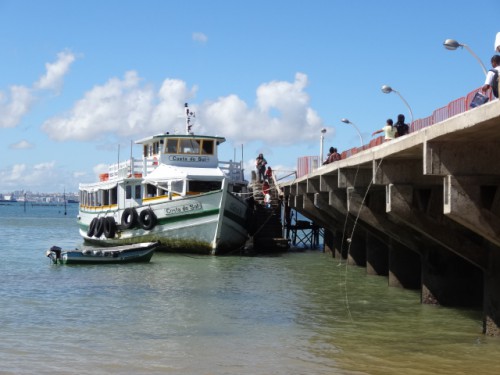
x,y
299,313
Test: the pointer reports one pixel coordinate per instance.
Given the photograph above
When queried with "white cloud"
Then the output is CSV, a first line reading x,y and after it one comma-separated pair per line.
x,y
19,176
15,104
127,108
200,37
53,77
120,106
22,145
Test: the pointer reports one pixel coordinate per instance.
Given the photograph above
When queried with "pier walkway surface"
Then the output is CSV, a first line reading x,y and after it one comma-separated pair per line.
x,y
423,209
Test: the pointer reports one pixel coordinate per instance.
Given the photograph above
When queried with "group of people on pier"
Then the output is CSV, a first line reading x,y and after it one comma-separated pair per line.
x,y
264,176
392,130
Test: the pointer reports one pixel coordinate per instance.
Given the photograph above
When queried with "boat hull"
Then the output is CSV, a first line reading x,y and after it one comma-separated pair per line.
x,y
138,253
210,223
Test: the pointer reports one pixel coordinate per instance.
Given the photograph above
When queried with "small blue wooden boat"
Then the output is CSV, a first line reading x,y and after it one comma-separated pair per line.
x,y
140,252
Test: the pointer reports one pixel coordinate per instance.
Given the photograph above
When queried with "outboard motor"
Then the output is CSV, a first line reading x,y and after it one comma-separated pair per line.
x,y
54,253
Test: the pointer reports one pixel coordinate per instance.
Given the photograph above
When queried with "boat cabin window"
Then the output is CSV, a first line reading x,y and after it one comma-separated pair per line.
x,y
156,148
177,186
208,147
109,196
189,146
133,192
171,146
150,191
203,186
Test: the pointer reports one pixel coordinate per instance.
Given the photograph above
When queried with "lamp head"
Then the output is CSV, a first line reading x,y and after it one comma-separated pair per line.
x,y
387,89
345,121
323,131
451,44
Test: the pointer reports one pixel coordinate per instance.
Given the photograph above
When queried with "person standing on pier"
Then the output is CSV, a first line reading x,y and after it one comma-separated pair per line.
x,y
492,76
260,165
401,127
269,174
333,155
388,130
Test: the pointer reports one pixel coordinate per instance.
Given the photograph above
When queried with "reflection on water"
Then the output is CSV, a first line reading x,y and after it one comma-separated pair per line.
x,y
300,313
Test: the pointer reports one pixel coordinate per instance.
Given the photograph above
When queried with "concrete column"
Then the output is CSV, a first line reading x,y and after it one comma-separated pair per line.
x,y
404,267
449,280
491,308
329,242
356,249
340,248
377,262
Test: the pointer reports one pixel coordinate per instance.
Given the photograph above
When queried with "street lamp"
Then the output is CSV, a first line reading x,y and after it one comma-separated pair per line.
x,y
346,121
388,89
452,45
323,131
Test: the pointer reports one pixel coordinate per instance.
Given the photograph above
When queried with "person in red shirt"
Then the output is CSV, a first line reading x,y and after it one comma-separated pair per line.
x,y
269,174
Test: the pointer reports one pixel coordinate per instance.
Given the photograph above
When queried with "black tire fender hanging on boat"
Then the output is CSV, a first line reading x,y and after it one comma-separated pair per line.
x,y
147,219
109,227
129,218
99,228
91,230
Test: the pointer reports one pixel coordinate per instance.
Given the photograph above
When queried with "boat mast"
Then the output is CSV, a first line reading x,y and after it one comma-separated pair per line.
x,y
189,116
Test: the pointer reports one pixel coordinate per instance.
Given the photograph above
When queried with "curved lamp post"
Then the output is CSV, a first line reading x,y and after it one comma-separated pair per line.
x,y
323,131
346,121
388,89
452,45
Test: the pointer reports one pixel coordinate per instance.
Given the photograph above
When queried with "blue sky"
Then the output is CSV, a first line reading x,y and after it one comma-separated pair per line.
x,y
80,80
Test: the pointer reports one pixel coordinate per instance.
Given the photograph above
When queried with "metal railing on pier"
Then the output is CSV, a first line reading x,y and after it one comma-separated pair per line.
x,y
307,164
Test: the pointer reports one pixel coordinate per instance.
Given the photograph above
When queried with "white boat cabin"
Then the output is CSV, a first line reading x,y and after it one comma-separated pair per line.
x,y
172,167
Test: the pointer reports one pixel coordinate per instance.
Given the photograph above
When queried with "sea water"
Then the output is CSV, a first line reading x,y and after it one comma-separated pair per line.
x,y
300,312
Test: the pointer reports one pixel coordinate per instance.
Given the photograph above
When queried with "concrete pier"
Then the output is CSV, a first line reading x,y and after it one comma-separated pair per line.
x,y
423,210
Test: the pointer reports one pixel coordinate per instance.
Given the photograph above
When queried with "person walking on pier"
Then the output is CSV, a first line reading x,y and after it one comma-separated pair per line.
x,y
492,76
388,130
401,127
260,165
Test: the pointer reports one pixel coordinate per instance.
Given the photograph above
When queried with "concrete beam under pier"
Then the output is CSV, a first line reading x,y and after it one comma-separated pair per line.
x,y
414,210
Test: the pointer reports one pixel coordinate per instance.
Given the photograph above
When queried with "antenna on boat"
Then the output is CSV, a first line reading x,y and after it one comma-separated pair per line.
x,y
189,119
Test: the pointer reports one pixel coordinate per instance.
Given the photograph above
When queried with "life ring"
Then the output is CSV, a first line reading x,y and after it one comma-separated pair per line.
x,y
109,227
91,230
129,218
99,227
147,219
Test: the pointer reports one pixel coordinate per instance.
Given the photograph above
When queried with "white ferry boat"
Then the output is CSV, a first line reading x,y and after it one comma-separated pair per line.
x,y
178,194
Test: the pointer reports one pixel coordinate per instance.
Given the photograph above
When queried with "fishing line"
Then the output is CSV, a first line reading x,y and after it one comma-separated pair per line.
x,y
349,239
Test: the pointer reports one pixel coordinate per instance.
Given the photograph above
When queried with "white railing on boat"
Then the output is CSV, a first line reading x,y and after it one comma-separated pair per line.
x,y
138,167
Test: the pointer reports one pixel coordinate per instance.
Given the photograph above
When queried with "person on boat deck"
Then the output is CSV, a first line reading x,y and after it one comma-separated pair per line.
x,y
260,165
269,174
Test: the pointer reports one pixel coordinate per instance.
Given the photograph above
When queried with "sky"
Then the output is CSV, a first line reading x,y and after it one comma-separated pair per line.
x,y
82,80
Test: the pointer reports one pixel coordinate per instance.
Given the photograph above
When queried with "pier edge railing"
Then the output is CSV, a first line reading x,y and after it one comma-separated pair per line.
x,y
308,164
